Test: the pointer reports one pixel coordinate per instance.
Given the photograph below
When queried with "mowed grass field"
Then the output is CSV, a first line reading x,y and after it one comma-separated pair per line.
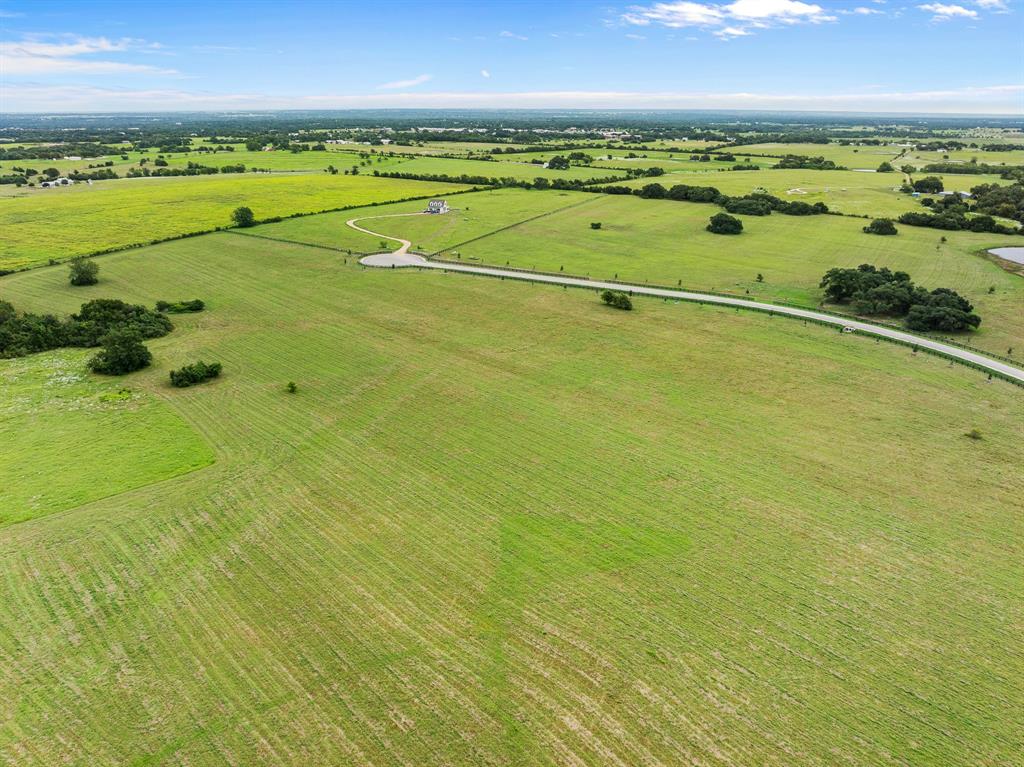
x,y
665,242
59,223
502,524
472,215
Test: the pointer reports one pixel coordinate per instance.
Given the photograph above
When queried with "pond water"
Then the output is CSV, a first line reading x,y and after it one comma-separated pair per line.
x,y
1010,254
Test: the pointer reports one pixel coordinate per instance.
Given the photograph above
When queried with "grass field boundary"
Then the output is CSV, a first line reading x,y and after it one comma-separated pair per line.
x,y
753,307
509,226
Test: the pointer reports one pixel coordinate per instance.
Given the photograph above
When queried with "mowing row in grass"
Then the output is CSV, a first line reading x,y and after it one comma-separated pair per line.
x,y
503,523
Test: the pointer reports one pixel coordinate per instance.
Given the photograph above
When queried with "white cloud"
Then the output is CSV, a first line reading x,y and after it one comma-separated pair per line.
x,y
943,12
735,18
992,99
862,11
411,83
73,54
485,74
512,35
996,5
727,33
636,37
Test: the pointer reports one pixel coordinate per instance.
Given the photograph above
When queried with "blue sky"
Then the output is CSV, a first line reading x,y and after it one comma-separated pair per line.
x,y
960,56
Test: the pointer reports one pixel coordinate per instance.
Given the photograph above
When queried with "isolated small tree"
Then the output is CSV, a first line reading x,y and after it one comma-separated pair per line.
x,y
292,387
880,226
243,217
122,352
723,223
84,271
617,299
51,172
760,277
595,225
886,167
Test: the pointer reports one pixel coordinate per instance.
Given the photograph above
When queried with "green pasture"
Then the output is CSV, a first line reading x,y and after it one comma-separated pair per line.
x,y
665,243
59,223
846,191
860,157
963,156
117,437
521,171
500,523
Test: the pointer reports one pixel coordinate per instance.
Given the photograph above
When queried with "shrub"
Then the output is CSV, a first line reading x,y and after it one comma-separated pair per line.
x,y
723,223
243,217
595,225
180,307
84,271
196,373
101,316
292,387
122,352
617,299
880,226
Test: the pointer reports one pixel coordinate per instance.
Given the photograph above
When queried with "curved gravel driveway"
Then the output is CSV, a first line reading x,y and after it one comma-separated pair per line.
x,y
403,258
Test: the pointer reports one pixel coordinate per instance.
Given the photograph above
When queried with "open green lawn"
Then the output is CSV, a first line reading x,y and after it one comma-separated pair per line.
x,y
665,242
502,524
847,191
58,223
471,215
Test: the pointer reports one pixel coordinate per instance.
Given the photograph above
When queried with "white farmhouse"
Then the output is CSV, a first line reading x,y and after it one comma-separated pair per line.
x,y
437,206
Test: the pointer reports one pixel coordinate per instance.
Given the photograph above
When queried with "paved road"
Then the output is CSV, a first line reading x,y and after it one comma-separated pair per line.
x,y
403,258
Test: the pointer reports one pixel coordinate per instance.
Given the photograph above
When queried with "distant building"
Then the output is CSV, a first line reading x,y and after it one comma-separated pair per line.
x,y
437,206
62,181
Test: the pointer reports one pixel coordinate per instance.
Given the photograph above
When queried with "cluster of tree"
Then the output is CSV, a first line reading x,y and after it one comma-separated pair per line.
x,y
1003,148
928,185
975,168
883,226
873,291
617,299
1006,201
800,162
537,183
56,152
723,223
196,373
756,204
746,166
558,163
886,167
22,334
954,220
180,307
